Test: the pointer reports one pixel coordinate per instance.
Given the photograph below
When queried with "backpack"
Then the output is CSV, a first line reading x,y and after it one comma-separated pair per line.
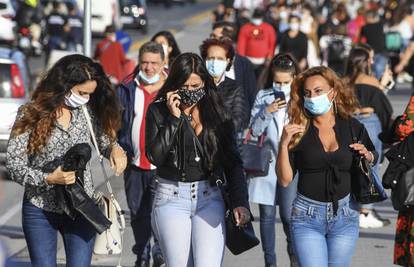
x,y
393,41
336,50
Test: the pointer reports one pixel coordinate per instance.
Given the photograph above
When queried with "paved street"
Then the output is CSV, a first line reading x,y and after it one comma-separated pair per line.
x,y
374,248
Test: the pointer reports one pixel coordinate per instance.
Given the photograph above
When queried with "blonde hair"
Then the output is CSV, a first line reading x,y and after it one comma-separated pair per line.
x,y
345,101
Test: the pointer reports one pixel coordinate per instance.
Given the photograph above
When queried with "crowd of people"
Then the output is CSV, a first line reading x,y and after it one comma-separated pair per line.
x,y
303,78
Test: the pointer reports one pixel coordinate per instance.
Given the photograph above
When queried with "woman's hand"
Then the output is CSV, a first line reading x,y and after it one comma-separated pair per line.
x,y
173,103
289,131
241,215
60,177
118,160
276,105
363,151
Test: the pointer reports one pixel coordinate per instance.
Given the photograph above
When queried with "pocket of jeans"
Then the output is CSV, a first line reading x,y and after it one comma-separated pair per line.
x,y
350,213
298,214
161,198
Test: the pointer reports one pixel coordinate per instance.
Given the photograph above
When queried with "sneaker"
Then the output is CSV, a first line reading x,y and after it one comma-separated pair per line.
x,y
372,220
158,261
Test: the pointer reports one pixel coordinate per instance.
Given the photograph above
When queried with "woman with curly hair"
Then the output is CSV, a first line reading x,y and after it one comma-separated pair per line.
x,y
45,129
317,143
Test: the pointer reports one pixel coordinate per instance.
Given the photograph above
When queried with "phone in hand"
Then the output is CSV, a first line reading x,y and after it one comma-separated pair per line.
x,y
280,95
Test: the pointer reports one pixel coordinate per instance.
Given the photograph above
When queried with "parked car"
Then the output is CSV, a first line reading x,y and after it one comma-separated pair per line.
x,y
13,94
134,14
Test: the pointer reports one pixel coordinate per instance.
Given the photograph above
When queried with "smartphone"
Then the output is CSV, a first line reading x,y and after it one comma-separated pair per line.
x,y
280,95
390,85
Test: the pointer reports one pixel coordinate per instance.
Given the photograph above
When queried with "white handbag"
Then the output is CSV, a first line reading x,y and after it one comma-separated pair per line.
x,y
110,241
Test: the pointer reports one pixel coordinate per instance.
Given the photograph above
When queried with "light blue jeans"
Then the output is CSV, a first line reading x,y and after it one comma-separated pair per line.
x,y
321,239
188,220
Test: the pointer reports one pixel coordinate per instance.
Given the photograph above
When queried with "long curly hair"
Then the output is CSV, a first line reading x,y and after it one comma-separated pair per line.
x,y
40,114
344,103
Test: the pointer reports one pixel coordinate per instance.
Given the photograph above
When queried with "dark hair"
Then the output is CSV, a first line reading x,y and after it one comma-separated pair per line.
x,y
214,119
229,29
110,29
283,62
171,42
40,114
293,16
357,63
224,43
258,13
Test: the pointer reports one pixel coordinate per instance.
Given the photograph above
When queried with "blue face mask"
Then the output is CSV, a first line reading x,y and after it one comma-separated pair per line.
x,y
318,105
282,88
216,67
147,80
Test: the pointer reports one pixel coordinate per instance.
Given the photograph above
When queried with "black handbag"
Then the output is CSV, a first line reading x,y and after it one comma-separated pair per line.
x,y
256,155
238,238
402,196
366,185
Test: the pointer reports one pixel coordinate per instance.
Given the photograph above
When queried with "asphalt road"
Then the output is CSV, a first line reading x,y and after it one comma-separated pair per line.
x,y
374,247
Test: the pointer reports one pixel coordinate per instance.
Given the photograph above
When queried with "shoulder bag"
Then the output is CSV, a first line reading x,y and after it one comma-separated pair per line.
x,y
110,241
256,155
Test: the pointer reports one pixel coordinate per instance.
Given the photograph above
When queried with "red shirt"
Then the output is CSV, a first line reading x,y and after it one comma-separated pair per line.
x,y
257,41
112,57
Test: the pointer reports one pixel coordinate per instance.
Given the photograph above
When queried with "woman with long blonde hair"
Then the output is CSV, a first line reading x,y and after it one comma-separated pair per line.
x,y
317,143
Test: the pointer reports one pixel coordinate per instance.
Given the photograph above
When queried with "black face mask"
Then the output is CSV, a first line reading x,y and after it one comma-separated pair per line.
x,y
191,97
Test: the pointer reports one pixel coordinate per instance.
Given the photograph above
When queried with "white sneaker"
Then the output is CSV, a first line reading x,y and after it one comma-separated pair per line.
x,y
372,220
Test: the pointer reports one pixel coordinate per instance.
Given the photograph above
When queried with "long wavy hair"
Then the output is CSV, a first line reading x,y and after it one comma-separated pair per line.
x,y
358,63
40,114
344,103
217,125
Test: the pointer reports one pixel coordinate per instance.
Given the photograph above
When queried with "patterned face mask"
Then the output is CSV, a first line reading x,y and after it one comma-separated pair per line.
x,y
191,97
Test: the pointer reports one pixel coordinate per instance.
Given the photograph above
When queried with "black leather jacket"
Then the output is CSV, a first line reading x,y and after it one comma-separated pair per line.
x,y
164,150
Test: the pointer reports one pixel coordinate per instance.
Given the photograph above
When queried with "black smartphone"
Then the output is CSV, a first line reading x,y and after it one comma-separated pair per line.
x,y
280,95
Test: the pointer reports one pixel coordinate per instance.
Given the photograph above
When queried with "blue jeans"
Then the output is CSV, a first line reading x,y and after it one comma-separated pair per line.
x,y
188,220
267,213
40,231
320,238
373,126
138,189
380,61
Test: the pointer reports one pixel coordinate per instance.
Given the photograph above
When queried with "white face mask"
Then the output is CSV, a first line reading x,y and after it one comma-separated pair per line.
x,y
294,26
74,100
257,22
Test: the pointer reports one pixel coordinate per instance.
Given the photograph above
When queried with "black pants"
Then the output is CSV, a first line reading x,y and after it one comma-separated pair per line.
x,y
139,194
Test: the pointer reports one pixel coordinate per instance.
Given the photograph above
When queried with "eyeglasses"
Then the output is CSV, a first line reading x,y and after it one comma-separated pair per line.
x,y
283,62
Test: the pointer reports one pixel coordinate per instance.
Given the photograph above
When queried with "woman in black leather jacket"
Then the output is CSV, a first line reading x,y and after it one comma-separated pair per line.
x,y
192,142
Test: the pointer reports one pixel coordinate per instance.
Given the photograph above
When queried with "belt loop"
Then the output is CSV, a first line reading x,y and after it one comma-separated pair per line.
x,y
310,211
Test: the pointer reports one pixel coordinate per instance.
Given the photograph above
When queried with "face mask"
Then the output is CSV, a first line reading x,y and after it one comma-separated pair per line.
x,y
282,88
75,100
318,105
147,80
294,26
257,22
165,48
216,67
283,15
191,97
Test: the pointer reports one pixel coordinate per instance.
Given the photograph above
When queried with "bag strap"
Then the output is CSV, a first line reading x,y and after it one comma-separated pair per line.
x,y
95,143
119,211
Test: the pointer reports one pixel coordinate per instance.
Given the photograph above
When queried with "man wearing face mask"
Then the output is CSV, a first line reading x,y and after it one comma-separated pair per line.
x,y
111,55
295,42
257,41
135,95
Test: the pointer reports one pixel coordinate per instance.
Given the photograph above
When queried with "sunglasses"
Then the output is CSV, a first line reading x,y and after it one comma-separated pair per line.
x,y
283,62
